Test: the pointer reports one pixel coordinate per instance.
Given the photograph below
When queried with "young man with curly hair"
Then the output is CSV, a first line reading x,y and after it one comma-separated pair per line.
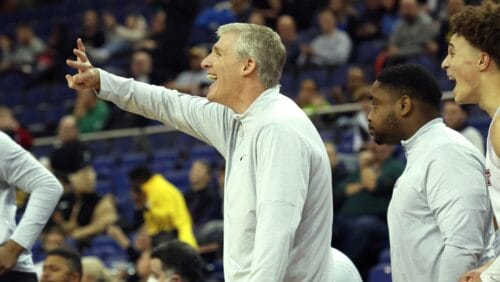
x,y
473,61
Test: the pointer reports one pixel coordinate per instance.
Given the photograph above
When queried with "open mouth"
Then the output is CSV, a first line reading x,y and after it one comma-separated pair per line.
x,y
212,76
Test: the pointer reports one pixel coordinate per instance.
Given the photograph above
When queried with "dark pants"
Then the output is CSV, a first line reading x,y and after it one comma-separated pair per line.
x,y
16,276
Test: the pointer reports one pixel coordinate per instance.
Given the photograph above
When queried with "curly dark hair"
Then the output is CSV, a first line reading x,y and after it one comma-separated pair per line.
x,y
480,25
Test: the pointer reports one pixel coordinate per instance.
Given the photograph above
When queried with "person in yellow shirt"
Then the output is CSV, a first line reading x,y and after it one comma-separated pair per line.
x,y
165,212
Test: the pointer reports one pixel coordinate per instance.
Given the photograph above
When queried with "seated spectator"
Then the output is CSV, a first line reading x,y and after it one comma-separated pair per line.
x,y
413,34
390,18
119,38
202,198
62,265
10,126
194,80
70,154
92,34
93,270
309,97
343,11
176,261
256,17
455,116
91,112
81,212
6,50
52,238
443,36
141,67
356,79
366,24
331,47
287,30
164,209
155,37
28,47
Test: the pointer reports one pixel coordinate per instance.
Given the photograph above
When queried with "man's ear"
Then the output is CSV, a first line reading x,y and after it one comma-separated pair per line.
x,y
405,105
249,66
484,61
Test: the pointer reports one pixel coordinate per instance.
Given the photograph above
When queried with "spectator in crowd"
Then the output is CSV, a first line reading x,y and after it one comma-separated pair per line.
x,y
154,39
176,261
70,154
310,98
119,38
256,17
18,169
430,215
10,126
331,47
443,36
81,212
202,198
28,47
366,26
91,113
455,116
287,30
194,80
141,67
165,212
6,49
390,18
92,33
355,80
413,34
343,12
62,265
52,238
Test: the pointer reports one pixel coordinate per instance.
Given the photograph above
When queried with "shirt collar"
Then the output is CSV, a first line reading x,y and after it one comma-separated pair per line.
x,y
258,105
410,143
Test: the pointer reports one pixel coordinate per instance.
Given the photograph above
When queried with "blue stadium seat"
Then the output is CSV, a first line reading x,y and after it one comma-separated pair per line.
x,y
131,160
319,75
289,84
104,187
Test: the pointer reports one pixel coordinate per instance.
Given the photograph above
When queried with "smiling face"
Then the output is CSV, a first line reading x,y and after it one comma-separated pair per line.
x,y
461,66
382,119
225,68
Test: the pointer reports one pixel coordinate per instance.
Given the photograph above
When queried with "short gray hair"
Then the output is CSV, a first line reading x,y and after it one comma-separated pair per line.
x,y
261,44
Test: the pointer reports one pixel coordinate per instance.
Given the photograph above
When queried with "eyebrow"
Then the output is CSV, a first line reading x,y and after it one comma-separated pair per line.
x,y
216,49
